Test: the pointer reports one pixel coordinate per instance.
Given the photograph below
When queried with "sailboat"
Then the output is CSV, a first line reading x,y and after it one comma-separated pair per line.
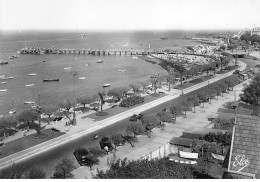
x,y
13,110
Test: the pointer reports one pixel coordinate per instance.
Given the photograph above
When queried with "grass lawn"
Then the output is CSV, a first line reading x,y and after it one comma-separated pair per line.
x,y
26,142
250,63
189,84
117,110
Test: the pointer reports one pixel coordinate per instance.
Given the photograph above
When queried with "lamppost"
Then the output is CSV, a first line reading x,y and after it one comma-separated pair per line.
x,y
74,74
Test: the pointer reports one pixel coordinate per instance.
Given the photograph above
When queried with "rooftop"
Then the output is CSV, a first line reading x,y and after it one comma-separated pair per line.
x,y
186,142
245,147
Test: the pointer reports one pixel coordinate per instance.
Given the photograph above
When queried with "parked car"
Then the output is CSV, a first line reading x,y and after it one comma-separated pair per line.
x,y
84,157
237,72
105,141
136,117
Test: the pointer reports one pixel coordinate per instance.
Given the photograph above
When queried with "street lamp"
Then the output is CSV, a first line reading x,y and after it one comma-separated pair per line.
x,y
74,74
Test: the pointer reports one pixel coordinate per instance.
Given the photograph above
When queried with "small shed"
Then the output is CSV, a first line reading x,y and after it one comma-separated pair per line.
x,y
181,144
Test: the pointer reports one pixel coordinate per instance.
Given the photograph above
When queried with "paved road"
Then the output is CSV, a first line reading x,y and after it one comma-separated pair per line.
x,y
25,154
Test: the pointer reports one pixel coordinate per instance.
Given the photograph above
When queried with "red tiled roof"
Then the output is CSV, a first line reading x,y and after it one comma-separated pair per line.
x,y
245,147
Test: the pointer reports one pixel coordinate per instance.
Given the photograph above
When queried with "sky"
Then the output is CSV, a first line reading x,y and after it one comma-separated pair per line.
x,y
129,14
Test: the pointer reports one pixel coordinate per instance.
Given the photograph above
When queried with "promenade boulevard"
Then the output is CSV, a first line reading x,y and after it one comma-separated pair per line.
x,y
25,154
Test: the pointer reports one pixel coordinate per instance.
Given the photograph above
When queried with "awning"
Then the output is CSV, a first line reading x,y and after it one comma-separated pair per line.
x,y
217,156
188,155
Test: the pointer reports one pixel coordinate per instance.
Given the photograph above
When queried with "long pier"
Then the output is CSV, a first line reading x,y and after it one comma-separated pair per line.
x,y
98,52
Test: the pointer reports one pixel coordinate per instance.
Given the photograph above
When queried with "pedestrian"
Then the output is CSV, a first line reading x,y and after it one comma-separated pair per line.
x,y
106,149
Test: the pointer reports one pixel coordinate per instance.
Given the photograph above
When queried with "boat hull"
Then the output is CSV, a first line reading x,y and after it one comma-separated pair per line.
x,y
51,80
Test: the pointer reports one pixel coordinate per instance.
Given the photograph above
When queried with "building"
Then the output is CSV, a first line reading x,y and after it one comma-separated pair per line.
x,y
244,156
255,31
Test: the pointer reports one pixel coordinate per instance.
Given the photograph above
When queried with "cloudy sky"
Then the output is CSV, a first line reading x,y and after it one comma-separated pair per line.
x,y
129,14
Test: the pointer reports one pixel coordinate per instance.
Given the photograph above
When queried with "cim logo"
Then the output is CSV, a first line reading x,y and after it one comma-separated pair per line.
x,y
241,162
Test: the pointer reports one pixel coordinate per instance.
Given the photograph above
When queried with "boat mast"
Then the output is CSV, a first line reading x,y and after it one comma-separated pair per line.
x,y
12,103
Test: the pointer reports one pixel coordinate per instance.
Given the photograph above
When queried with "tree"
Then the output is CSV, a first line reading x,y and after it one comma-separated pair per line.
x,y
154,82
7,123
175,111
161,168
124,90
101,101
218,91
212,93
63,169
66,104
149,122
203,97
144,85
15,171
180,69
170,79
84,101
224,87
164,117
186,106
135,128
195,101
49,111
135,87
36,173
117,139
30,115
252,92
115,93
231,82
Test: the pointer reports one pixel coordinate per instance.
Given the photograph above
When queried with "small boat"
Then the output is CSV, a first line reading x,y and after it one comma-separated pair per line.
x,y
120,70
12,111
51,80
29,85
106,85
18,52
35,106
13,57
100,61
163,38
3,62
4,82
29,102
82,78
44,61
4,77
3,90
68,68
87,64
32,74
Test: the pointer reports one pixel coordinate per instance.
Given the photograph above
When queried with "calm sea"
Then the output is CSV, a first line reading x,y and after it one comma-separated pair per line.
x,y
96,74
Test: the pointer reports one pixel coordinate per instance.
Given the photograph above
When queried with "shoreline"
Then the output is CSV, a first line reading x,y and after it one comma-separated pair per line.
x,y
106,122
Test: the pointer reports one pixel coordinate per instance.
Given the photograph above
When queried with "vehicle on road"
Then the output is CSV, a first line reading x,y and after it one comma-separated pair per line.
x,y
105,141
136,117
84,157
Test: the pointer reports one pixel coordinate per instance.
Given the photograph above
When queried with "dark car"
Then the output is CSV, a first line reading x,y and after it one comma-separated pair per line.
x,y
136,117
84,157
105,141
237,72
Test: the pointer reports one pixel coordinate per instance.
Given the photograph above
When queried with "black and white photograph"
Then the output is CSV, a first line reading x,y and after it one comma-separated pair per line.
x,y
129,89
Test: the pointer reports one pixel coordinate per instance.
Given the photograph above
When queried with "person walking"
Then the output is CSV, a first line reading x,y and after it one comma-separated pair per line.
x,y
106,149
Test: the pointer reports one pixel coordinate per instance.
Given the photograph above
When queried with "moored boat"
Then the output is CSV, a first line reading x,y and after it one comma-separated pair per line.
x,y
13,57
12,111
68,68
29,102
4,77
32,74
120,70
51,80
4,82
3,90
3,62
82,78
106,85
100,61
29,85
